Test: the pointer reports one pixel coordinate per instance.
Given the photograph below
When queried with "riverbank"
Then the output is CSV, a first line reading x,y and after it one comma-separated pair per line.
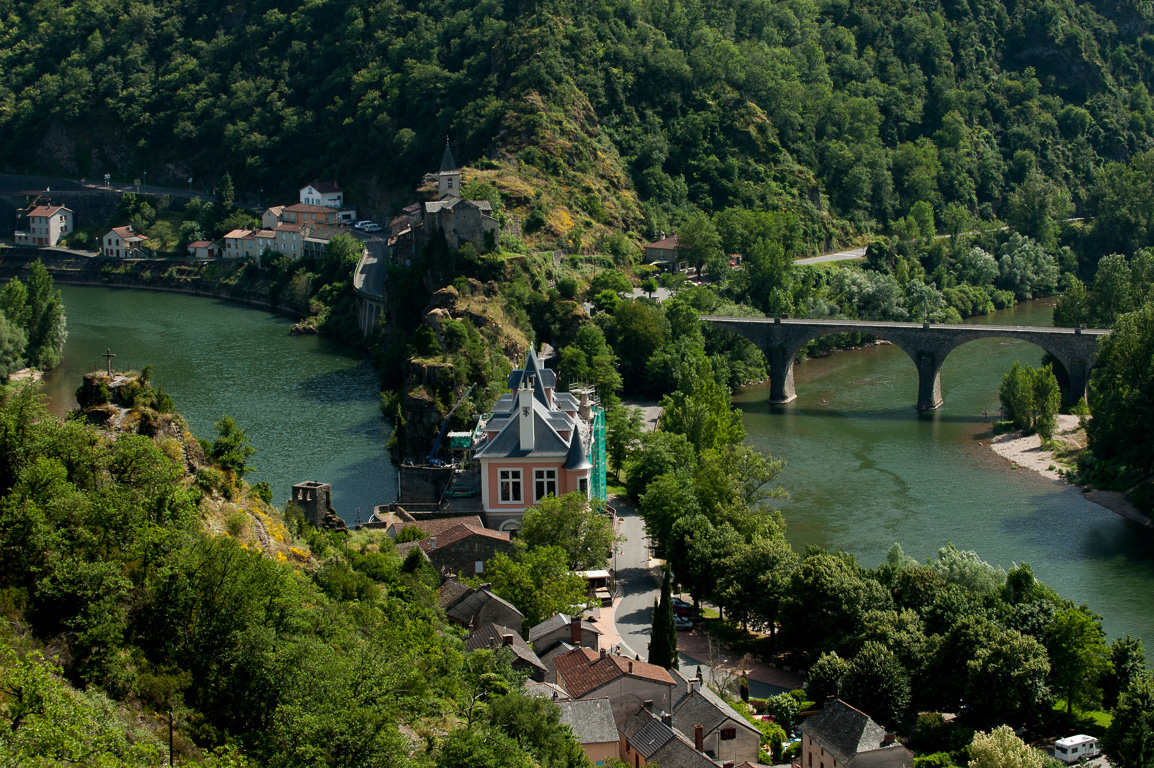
x,y
1026,451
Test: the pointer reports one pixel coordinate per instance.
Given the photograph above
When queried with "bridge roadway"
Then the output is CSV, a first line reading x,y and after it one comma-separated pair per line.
x,y
927,344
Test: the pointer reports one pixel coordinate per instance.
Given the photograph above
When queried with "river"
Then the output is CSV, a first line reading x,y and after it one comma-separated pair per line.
x,y
865,469
307,404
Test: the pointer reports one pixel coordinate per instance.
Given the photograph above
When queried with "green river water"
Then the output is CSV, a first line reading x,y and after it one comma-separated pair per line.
x,y
864,468
307,404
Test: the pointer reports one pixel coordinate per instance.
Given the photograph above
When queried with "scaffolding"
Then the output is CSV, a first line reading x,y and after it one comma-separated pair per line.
x,y
598,454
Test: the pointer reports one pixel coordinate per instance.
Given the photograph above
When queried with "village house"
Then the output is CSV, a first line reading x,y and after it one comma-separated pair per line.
x,y
312,215
560,628
247,243
493,636
203,249
538,442
464,549
124,243
47,225
724,734
665,254
629,684
840,736
326,193
591,721
474,606
650,738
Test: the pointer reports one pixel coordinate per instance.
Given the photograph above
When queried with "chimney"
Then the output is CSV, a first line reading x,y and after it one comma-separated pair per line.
x,y
432,542
694,685
699,738
602,653
575,630
888,739
649,705
662,234
525,417
727,764
667,719
631,670
585,410
506,639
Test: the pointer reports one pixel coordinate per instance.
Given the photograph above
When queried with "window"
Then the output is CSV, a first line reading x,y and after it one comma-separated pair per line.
x,y
545,483
478,566
728,734
583,486
510,484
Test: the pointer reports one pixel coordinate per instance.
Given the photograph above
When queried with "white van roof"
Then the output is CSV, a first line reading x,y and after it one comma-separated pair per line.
x,y
1073,741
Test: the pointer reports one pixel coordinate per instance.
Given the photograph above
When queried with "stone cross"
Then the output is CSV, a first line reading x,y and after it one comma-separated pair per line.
x,y
109,355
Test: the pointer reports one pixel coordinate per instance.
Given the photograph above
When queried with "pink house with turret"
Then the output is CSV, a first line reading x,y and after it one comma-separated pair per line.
x,y
536,443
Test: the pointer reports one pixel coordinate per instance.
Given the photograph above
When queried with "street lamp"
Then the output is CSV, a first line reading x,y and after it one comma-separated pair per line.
x,y
146,181
258,196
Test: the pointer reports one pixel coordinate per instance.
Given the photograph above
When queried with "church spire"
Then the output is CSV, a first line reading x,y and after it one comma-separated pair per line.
x,y
448,164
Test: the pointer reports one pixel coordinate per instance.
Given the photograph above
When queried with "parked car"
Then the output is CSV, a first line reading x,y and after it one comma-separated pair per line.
x,y
681,623
680,607
371,227
362,224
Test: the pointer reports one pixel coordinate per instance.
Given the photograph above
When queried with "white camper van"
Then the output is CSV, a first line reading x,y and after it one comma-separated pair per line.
x,y
1074,748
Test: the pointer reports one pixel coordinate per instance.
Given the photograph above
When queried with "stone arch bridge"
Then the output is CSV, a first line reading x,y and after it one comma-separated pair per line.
x,y
927,345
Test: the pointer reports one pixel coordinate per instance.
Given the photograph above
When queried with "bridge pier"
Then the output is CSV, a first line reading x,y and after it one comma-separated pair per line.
x,y
781,374
929,380
1078,374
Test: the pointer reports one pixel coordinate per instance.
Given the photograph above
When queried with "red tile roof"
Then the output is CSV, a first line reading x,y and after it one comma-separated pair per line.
x,y
583,670
45,210
459,532
306,208
326,187
126,233
668,244
439,525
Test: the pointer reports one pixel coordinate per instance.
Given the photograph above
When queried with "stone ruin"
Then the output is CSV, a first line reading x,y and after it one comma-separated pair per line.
x,y
315,500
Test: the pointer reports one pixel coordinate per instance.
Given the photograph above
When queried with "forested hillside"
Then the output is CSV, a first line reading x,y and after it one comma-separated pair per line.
x,y
624,113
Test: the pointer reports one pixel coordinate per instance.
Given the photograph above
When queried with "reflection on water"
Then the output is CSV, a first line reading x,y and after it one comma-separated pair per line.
x,y
865,469
308,405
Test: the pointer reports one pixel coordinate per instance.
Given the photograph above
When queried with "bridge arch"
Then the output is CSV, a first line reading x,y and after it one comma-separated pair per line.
x,y
926,345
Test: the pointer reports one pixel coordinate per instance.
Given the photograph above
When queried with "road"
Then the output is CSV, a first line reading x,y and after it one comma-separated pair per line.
x,y
640,583
374,265
850,255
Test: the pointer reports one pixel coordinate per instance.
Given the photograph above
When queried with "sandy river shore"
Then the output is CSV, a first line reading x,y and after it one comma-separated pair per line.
x,y
1025,451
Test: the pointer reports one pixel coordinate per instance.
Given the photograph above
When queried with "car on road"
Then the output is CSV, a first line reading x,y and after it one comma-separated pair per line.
x,y
371,227
681,623
362,224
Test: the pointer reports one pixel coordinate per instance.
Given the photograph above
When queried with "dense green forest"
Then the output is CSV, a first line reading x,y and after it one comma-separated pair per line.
x,y
139,594
847,114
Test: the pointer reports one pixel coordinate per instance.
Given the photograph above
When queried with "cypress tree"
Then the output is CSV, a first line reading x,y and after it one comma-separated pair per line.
x,y
663,635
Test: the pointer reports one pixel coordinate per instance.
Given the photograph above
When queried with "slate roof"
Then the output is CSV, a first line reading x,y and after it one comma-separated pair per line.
x,y
470,605
546,441
897,756
543,378
591,720
452,591
660,744
448,164
705,708
308,208
326,187
577,461
554,623
584,670
843,731
493,636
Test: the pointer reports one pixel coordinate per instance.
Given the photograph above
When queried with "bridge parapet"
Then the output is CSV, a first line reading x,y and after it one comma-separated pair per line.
x,y
927,344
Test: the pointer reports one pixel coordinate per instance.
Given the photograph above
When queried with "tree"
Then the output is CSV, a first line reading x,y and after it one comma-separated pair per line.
x,y
877,683
225,192
571,524
1129,741
623,424
667,499
1128,663
1121,386
698,241
1031,397
825,676
827,596
1079,656
700,409
12,344
1037,207
754,579
538,582
660,453
535,724
1001,748
231,449
46,322
1007,678
663,635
